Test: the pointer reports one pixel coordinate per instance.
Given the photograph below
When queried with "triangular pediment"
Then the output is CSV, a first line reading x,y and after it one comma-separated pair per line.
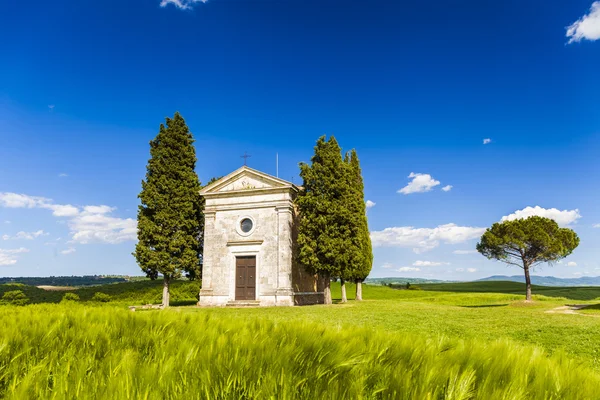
x,y
245,178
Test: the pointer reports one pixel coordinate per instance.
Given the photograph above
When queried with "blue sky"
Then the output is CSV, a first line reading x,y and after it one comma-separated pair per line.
x,y
416,87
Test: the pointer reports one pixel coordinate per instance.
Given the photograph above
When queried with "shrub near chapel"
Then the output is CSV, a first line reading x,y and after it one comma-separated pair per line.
x,y
15,298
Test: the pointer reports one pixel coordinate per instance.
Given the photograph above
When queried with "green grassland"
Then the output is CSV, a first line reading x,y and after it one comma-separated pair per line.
x,y
446,341
132,293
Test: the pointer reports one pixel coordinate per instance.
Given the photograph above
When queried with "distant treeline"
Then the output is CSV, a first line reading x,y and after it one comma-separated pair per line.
x,y
88,280
401,281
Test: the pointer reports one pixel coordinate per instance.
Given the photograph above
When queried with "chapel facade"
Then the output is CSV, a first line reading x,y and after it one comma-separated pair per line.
x,y
249,244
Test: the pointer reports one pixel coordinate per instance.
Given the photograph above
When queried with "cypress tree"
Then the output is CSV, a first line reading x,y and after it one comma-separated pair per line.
x,y
323,230
170,217
361,251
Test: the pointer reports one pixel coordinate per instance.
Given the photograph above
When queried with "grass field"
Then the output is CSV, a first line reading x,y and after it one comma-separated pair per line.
x,y
139,292
444,342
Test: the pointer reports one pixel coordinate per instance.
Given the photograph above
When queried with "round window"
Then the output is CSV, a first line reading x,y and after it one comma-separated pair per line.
x,y
246,225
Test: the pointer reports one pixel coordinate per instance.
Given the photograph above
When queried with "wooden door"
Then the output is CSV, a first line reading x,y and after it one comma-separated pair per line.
x,y
245,278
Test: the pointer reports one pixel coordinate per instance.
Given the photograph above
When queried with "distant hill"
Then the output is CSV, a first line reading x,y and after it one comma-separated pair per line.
x,y
547,280
90,280
401,281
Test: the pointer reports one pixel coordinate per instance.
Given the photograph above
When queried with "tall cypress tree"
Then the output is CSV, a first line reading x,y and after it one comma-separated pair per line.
x,y
351,248
323,228
170,217
361,252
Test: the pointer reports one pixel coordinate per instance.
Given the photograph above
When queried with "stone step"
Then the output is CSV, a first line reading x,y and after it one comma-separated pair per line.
x,y
243,303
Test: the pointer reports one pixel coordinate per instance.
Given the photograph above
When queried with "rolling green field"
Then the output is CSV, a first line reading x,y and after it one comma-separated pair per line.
x,y
132,293
447,341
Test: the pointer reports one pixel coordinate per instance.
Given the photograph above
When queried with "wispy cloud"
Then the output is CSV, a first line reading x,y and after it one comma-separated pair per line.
x,y
563,218
87,224
471,270
62,175
429,264
181,4
25,235
571,264
424,239
447,188
370,204
408,269
487,141
420,183
464,251
586,27
70,250
11,256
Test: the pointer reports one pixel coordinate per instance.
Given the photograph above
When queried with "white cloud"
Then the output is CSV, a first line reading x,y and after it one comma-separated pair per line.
x,y
429,263
181,4
370,204
387,265
10,256
70,250
408,269
420,183
464,251
597,226
571,264
61,210
586,27
577,273
25,235
15,200
7,222
471,269
487,141
98,209
87,224
562,218
62,175
93,226
424,239
447,188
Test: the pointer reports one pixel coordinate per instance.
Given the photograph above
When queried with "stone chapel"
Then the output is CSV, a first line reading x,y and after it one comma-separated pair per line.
x,y
249,244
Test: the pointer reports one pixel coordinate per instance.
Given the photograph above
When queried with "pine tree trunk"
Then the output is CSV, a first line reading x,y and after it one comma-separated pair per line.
x,y
527,284
359,290
166,295
344,297
327,291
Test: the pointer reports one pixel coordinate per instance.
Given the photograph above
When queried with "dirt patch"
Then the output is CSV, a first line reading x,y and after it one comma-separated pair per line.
x,y
56,288
570,309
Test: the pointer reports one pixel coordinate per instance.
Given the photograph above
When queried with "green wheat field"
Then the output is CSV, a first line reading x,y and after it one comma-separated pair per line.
x,y
445,341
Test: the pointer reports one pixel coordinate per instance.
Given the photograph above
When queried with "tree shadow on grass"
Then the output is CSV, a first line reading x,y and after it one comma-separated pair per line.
x,y
177,303
486,306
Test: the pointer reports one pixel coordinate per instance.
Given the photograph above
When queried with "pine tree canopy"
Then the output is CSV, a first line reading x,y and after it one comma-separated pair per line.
x,y
527,242
170,217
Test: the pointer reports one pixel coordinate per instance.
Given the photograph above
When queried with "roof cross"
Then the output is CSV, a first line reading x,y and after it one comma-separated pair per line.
x,y
246,156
